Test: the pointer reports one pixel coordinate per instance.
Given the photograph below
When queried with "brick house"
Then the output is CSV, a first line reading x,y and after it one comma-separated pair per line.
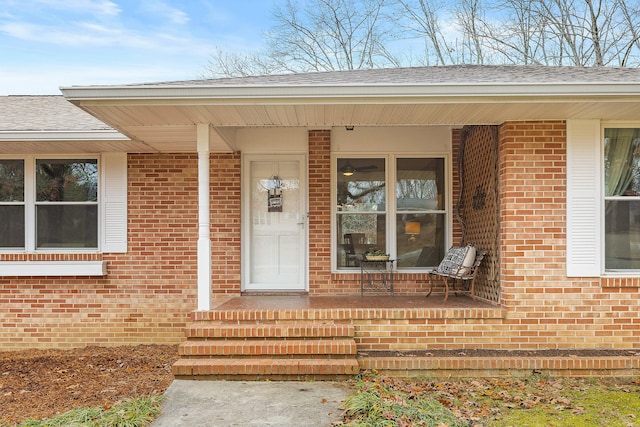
x,y
229,201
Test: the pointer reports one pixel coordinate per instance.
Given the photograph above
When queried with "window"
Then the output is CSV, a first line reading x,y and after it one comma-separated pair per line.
x,y
12,208
420,213
622,198
406,219
49,203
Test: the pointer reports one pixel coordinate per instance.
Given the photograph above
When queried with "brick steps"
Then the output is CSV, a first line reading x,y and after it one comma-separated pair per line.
x,y
260,369
336,348
212,329
231,349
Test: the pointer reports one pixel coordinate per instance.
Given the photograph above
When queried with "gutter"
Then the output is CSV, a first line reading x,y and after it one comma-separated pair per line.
x,y
464,92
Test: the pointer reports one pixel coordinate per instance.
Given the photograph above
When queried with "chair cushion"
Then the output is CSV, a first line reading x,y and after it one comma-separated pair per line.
x,y
468,262
452,260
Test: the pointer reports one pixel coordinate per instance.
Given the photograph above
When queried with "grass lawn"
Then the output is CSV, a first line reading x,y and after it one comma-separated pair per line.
x,y
137,412
532,401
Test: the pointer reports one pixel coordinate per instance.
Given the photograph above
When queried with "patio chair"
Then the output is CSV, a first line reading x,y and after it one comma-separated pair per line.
x,y
352,242
460,264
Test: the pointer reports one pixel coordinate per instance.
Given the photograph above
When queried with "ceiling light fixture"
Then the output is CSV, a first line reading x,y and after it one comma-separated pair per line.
x,y
348,169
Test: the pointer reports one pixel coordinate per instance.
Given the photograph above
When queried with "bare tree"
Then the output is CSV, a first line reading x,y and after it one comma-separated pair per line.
x,y
323,35
332,35
424,20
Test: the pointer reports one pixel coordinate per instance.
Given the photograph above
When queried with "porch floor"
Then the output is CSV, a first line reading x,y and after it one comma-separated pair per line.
x,y
304,302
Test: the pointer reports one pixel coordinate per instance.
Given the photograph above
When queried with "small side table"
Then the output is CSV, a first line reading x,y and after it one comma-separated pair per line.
x,y
376,275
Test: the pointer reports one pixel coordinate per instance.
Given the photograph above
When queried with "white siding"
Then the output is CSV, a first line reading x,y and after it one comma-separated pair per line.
x,y
583,198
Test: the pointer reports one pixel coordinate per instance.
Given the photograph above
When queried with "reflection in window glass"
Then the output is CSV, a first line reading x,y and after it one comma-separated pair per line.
x,y
420,239
64,180
420,184
359,233
11,181
622,201
12,215
361,185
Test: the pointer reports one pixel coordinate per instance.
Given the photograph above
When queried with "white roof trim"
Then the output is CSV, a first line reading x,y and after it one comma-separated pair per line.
x,y
463,92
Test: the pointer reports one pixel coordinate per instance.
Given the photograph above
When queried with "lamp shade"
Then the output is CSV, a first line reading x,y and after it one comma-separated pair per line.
x,y
412,227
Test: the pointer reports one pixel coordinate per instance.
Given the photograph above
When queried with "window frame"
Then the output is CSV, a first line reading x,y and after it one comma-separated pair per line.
x,y
391,211
30,203
604,271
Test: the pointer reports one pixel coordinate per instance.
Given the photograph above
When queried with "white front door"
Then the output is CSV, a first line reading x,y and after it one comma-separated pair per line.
x,y
274,223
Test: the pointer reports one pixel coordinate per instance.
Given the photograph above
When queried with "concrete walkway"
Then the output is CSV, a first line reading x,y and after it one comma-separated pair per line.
x,y
252,403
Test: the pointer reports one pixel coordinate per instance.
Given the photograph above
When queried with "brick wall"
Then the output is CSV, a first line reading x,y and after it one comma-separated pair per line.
x,y
320,213
149,291
225,223
544,307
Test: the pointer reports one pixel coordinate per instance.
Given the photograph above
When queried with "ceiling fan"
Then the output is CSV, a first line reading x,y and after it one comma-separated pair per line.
x,y
348,169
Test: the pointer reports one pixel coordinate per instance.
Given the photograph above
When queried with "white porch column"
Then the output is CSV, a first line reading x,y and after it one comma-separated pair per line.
x,y
204,225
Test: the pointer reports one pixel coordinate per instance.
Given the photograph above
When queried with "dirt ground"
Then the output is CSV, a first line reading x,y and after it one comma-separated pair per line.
x,y
44,383
41,384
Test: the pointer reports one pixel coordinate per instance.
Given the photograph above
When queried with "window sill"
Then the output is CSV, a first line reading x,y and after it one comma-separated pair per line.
x,y
53,268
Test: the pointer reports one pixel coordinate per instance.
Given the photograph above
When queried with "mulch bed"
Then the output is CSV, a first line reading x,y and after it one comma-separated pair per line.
x,y
38,384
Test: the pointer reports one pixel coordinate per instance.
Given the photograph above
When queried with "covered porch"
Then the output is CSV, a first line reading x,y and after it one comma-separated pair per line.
x,y
504,151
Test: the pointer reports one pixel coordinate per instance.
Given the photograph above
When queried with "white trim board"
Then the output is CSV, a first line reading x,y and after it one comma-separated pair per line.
x,y
53,268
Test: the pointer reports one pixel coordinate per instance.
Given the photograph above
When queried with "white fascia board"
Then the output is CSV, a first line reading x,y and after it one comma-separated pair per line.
x,y
71,136
53,268
456,92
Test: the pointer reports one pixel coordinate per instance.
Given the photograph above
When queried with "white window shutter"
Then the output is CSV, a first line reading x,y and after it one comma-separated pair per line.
x,y
114,202
583,198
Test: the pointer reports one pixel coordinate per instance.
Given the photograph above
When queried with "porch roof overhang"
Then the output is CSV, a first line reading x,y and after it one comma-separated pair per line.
x,y
61,142
164,116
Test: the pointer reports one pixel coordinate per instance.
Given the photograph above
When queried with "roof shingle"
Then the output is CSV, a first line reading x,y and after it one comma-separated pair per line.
x,y
454,74
44,113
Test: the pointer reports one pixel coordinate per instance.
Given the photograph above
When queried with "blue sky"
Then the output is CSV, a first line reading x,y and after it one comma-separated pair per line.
x,y
46,44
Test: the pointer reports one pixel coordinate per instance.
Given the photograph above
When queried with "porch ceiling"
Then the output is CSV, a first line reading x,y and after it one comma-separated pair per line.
x,y
164,116
165,127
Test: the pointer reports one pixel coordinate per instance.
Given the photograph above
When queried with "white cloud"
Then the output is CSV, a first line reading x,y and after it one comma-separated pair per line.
x,y
98,7
162,9
91,34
